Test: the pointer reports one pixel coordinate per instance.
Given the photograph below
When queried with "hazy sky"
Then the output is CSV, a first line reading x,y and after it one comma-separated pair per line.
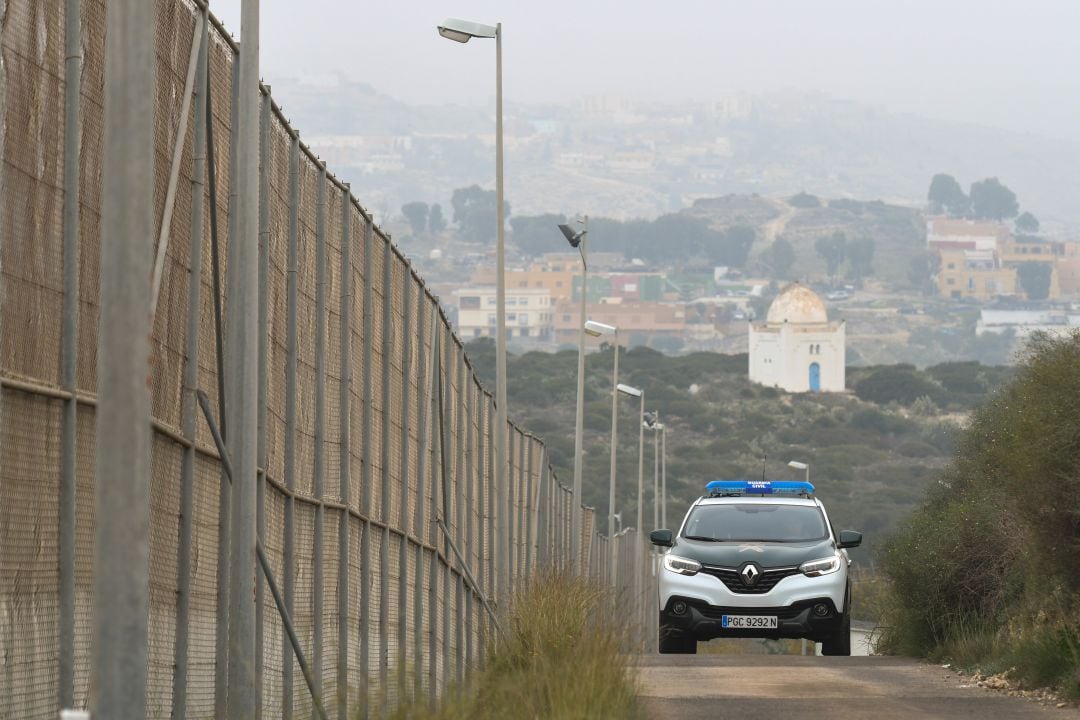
x,y
1006,63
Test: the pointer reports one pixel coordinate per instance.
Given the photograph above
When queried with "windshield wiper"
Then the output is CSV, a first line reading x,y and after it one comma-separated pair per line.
x,y
701,537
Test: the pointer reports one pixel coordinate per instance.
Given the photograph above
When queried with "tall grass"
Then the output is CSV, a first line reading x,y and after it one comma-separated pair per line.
x,y
561,658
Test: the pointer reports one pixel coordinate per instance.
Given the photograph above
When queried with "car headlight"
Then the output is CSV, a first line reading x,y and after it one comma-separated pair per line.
x,y
824,566
681,565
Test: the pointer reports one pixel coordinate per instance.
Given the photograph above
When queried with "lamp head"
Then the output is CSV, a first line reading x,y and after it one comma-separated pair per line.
x,y
797,465
596,329
462,30
574,238
629,390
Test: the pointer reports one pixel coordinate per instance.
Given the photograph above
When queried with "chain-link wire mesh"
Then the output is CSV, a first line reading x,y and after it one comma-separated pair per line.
x,y
415,491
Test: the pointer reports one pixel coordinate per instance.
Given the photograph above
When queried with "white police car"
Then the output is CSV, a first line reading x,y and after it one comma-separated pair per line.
x,y
755,559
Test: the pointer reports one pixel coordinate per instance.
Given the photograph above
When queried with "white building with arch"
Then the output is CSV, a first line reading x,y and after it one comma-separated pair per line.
x,y
797,349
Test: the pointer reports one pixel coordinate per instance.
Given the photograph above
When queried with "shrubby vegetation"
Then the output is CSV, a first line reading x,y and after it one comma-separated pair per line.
x,y
985,572
562,657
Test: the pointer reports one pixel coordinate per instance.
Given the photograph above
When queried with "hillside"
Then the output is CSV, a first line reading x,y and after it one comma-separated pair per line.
x,y
870,462
899,233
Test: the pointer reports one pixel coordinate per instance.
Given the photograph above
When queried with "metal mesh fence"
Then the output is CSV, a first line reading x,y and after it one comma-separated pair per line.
x,y
378,485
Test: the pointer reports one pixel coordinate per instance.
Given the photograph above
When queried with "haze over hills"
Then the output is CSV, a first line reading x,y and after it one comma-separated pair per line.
x,y
612,157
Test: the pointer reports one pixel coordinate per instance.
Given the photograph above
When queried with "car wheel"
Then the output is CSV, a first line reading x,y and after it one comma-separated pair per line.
x,y
673,642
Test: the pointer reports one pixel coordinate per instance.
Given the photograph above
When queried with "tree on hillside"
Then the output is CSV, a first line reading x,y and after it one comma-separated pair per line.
x,y
1035,279
475,213
990,200
896,383
436,221
860,255
804,200
538,234
417,215
736,246
832,249
1027,224
780,257
946,196
921,271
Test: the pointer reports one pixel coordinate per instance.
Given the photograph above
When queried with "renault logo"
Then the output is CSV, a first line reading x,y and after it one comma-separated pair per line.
x,y
750,574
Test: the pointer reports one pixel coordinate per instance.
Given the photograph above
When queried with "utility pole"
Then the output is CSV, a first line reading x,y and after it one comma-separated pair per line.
x,y
122,465
241,381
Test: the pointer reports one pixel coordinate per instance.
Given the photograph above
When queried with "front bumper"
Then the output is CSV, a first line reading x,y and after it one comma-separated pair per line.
x,y
787,592
702,621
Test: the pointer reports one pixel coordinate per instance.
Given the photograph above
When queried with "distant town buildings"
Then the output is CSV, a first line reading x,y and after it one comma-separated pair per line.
x,y
528,312
982,261
797,349
1026,322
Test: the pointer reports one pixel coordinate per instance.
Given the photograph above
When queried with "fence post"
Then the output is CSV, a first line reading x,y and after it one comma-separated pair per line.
x,y
460,479
424,365
191,382
221,647
405,516
368,480
530,508
72,165
468,389
445,448
433,589
292,348
241,406
344,398
123,443
493,497
319,460
263,374
390,342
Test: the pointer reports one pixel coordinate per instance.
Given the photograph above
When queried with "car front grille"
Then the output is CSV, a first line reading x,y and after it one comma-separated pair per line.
x,y
734,582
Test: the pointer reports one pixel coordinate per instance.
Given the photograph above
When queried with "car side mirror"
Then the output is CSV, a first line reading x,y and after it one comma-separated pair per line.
x,y
849,539
661,538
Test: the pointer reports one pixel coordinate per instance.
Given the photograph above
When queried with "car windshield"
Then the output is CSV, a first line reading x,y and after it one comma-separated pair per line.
x,y
755,523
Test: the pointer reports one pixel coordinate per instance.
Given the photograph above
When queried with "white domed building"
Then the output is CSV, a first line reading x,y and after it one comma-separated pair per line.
x,y
797,349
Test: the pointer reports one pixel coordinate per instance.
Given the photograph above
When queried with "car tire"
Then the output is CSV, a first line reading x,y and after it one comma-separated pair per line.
x,y
673,642
840,641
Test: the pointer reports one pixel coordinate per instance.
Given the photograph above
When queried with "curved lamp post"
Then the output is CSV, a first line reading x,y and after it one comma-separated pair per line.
x,y
578,240
463,31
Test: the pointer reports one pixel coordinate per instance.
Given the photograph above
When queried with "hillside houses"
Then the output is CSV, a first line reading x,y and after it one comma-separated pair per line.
x,y
984,260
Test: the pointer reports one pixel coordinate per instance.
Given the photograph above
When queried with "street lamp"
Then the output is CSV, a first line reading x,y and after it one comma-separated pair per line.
x,y
652,422
462,31
638,559
596,329
578,240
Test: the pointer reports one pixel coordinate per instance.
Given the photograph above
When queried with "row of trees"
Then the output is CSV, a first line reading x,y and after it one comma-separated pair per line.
x,y
988,199
474,214
672,235
422,218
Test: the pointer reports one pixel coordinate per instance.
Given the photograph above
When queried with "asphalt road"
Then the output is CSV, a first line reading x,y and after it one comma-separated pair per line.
x,y
792,687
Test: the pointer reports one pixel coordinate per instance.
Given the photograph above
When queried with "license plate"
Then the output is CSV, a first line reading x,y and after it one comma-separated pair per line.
x,y
748,622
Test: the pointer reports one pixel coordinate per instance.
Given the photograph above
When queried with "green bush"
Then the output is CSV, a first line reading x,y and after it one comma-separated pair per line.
x,y
987,567
897,383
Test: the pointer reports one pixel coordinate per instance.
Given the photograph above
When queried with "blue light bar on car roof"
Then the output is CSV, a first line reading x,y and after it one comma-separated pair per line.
x,y
759,487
